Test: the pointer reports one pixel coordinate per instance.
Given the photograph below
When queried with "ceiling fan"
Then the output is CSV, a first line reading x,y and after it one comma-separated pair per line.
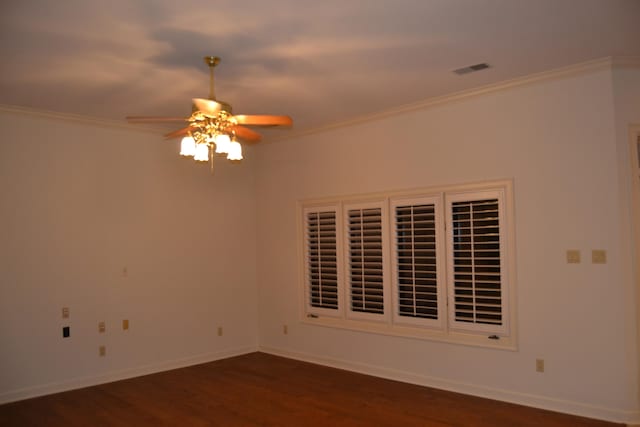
x,y
212,127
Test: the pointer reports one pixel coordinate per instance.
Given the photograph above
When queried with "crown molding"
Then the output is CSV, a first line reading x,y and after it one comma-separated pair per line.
x,y
76,118
625,61
557,73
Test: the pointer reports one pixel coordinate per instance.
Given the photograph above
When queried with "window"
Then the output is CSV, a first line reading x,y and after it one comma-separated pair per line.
x,y
476,262
431,263
366,235
417,268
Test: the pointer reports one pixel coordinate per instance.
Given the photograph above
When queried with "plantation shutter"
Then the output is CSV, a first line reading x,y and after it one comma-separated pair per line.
x,y
366,275
322,259
476,258
416,261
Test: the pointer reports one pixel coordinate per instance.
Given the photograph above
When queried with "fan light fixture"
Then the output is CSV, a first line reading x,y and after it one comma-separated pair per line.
x,y
211,135
212,128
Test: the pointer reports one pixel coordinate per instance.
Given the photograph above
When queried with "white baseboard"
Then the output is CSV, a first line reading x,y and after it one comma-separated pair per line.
x,y
81,382
632,418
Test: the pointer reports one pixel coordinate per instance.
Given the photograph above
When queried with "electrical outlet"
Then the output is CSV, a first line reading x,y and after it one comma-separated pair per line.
x,y
102,351
573,256
65,312
219,331
285,329
66,332
101,327
598,256
539,365
125,324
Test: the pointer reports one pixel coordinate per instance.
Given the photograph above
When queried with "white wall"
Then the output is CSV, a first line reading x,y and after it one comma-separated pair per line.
x,y
81,202
556,139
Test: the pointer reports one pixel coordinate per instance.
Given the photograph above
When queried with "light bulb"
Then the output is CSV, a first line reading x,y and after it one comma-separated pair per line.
x,y
187,146
235,151
202,153
222,143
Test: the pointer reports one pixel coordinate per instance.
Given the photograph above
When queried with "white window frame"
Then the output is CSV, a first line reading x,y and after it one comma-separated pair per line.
x,y
634,153
444,330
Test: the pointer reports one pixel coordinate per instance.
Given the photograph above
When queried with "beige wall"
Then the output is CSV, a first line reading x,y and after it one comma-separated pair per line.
x,y
626,85
556,140
80,203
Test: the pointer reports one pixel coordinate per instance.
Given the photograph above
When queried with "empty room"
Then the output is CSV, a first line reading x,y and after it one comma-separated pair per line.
x,y
362,213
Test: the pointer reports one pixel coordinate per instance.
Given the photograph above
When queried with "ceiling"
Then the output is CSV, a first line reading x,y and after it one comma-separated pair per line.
x,y
320,62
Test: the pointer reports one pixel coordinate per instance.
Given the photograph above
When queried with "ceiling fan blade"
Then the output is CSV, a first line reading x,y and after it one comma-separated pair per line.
x,y
153,119
246,133
177,133
263,120
207,106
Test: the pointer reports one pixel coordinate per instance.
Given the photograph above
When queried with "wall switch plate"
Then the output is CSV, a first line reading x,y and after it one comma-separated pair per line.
x,y
539,365
66,332
101,327
65,312
219,331
573,256
102,351
125,324
598,256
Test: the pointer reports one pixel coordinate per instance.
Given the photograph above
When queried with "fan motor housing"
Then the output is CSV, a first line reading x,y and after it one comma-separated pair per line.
x,y
225,106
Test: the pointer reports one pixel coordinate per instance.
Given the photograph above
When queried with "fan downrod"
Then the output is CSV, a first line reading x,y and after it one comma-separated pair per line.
x,y
211,61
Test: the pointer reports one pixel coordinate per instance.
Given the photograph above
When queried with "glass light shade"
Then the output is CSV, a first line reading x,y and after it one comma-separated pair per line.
x,y
202,153
235,151
222,143
187,146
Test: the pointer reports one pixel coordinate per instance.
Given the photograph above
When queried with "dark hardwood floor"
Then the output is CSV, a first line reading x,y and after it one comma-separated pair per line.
x,y
262,390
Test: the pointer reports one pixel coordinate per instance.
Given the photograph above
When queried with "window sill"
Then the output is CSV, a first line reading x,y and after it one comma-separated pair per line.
x,y
403,331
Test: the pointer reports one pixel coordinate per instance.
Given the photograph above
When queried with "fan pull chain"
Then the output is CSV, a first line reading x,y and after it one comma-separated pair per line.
x,y
211,156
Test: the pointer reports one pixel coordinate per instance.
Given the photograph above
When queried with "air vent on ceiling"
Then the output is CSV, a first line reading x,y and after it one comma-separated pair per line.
x,y
471,68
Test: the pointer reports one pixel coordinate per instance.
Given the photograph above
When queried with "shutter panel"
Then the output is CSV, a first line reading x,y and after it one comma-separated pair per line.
x,y
366,276
416,261
322,259
476,232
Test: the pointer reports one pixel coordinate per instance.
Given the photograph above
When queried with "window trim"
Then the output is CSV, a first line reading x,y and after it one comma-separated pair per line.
x,y
446,334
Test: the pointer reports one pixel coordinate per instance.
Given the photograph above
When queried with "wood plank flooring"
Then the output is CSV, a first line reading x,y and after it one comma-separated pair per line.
x,y
263,390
